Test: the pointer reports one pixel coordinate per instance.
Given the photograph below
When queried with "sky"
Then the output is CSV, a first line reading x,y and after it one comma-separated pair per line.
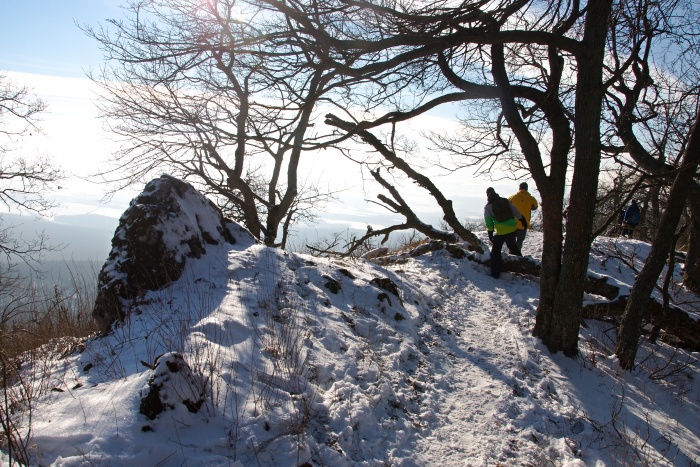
x,y
42,37
262,357
42,47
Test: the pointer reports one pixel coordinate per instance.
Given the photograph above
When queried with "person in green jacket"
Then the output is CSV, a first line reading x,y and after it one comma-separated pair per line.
x,y
500,216
525,204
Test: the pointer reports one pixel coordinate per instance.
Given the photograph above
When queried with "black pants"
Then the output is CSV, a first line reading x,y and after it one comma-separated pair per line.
x,y
496,258
628,229
520,235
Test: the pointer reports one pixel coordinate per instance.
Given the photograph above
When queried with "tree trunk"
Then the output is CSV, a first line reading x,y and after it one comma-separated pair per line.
x,y
639,297
552,241
551,187
691,274
657,317
579,226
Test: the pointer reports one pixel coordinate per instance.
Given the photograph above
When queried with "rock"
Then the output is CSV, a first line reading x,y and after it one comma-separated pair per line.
x,y
173,384
167,223
386,284
346,273
332,284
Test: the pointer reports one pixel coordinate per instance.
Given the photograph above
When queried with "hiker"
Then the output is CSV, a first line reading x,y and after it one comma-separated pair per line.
x,y
632,215
500,215
525,204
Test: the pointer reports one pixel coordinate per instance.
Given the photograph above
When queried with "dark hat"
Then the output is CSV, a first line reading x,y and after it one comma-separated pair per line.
x,y
490,190
523,186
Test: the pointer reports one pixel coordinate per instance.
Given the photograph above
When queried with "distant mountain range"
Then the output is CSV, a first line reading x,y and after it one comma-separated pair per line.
x,y
72,237
81,244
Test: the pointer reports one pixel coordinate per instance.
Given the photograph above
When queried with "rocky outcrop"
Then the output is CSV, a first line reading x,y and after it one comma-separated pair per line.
x,y
165,225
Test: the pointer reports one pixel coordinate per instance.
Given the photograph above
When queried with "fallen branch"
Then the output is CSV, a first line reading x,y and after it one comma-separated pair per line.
x,y
420,179
679,328
515,264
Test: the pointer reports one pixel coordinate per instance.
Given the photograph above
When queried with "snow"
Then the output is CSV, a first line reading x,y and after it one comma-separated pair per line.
x,y
308,361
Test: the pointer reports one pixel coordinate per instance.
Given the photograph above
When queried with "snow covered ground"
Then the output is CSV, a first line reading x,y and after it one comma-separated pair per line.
x,y
297,361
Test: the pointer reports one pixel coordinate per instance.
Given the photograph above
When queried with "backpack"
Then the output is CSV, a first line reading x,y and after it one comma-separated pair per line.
x,y
501,210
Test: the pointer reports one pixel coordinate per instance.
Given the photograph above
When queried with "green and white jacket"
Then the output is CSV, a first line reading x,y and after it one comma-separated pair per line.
x,y
501,228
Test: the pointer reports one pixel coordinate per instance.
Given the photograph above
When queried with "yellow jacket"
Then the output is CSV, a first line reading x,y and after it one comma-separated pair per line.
x,y
525,203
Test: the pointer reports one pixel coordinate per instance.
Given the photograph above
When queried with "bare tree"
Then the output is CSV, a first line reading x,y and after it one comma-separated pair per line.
x,y
653,105
24,185
396,203
206,90
550,70
24,182
691,272
630,326
614,195
222,93
478,50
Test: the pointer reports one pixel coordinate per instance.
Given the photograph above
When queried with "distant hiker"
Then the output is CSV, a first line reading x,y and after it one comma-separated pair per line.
x,y
500,215
525,204
632,216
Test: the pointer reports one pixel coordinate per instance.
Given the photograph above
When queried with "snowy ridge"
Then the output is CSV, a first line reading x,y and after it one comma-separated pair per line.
x,y
309,361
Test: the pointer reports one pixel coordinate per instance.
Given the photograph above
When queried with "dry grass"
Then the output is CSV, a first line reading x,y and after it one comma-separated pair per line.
x,y
36,327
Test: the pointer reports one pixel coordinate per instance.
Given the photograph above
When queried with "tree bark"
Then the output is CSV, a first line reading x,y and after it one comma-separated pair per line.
x,y
579,226
552,241
630,327
657,317
691,274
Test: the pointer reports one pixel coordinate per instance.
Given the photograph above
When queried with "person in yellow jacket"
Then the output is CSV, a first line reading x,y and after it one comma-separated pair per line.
x,y
525,204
